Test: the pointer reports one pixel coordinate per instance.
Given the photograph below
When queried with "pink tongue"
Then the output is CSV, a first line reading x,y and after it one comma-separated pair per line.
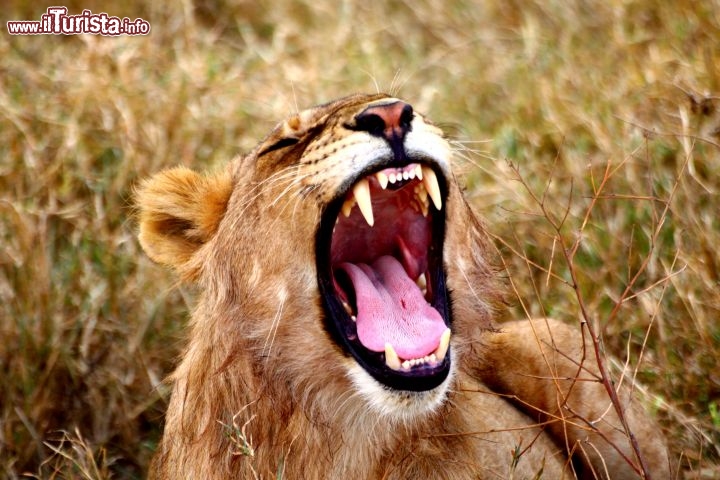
x,y
392,309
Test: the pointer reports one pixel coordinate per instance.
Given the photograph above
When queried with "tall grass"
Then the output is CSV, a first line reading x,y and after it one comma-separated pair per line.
x,y
590,133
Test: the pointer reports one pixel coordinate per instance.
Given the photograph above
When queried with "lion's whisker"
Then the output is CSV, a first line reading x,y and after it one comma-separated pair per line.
x,y
282,297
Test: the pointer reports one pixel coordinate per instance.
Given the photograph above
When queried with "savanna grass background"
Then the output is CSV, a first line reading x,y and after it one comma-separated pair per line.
x,y
591,128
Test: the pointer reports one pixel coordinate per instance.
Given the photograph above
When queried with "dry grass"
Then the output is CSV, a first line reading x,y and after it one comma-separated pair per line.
x,y
603,137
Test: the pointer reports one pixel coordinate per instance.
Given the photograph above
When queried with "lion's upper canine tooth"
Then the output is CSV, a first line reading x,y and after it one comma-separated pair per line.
x,y
391,358
418,172
431,185
443,347
382,179
361,191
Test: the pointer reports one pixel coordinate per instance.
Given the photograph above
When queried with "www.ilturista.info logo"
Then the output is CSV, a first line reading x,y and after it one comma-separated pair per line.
x,y
57,22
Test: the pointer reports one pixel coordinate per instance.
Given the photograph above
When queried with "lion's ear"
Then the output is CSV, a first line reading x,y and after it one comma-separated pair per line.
x,y
179,211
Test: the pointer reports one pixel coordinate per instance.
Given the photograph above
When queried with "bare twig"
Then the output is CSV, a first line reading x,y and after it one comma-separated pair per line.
x,y
569,252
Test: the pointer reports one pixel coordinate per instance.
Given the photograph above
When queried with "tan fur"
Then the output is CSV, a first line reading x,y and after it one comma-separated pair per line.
x,y
181,210
263,392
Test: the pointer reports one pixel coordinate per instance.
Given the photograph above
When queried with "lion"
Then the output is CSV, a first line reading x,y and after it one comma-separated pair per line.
x,y
344,321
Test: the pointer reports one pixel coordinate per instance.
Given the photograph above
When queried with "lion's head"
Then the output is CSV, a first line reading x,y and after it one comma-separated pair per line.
x,y
332,234
344,286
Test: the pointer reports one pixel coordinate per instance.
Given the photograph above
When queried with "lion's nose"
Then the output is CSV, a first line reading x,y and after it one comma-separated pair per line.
x,y
390,121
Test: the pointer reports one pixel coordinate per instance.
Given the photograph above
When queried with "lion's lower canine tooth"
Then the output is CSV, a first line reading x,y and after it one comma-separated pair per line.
x,y
421,282
431,185
444,345
361,190
391,358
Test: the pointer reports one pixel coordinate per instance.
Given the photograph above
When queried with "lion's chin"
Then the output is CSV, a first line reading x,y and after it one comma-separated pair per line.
x,y
393,405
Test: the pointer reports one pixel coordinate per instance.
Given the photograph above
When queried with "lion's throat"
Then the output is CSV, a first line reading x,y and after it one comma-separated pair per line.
x,y
392,309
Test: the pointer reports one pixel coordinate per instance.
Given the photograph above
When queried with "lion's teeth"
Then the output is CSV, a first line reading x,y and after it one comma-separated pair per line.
x,y
391,358
425,207
405,175
361,191
348,205
421,282
421,197
444,345
347,308
418,172
392,177
431,185
393,361
382,179
411,171
421,193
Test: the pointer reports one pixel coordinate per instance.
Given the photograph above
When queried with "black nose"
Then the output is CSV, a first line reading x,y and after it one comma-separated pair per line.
x,y
390,121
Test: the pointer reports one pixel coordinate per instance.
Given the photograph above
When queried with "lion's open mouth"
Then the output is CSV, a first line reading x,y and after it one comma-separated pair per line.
x,y
380,273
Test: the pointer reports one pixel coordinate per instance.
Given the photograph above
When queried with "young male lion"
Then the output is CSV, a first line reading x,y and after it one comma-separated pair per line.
x,y
344,326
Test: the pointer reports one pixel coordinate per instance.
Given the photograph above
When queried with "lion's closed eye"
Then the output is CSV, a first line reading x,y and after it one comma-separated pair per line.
x,y
280,144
